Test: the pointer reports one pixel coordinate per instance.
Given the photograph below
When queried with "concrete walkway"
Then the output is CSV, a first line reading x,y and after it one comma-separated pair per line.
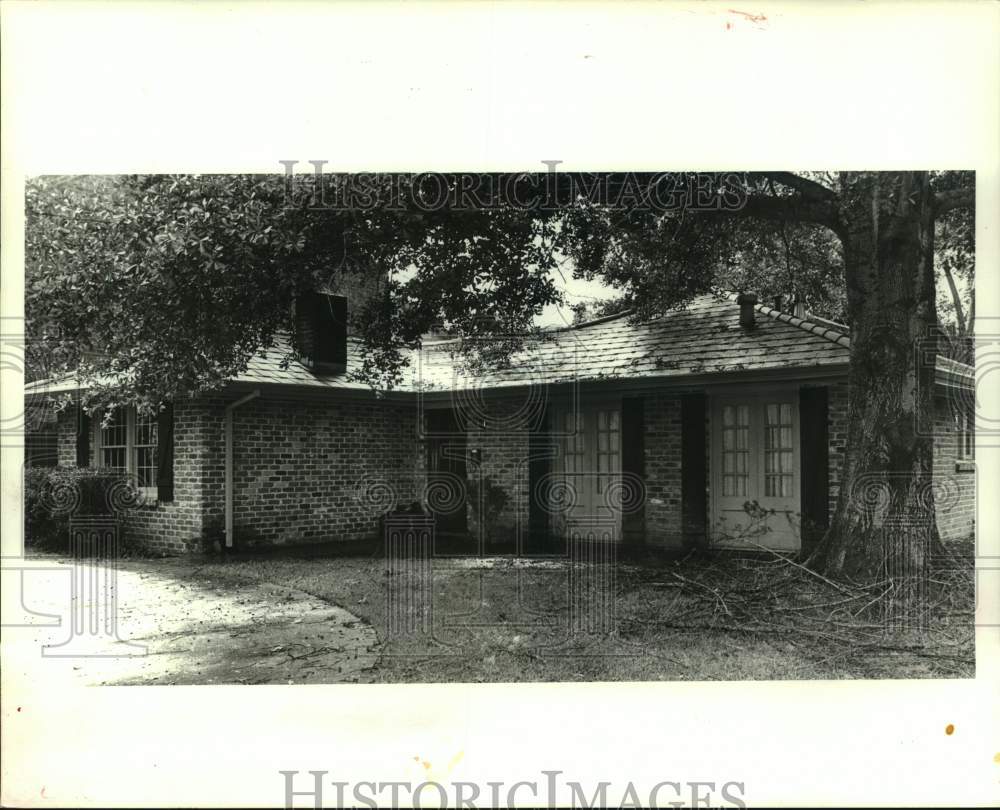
x,y
180,629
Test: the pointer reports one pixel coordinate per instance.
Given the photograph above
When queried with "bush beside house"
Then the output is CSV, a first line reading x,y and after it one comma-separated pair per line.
x,y
53,496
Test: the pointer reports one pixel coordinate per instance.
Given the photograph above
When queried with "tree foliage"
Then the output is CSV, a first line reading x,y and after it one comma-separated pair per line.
x,y
155,287
158,287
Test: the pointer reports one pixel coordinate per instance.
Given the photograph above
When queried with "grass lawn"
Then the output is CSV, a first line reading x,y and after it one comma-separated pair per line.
x,y
724,618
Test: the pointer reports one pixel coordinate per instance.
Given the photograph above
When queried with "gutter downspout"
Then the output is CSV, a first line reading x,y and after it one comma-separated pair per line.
x,y
232,406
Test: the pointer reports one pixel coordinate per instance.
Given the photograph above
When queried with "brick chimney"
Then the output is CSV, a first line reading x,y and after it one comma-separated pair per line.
x,y
747,302
779,302
321,331
800,308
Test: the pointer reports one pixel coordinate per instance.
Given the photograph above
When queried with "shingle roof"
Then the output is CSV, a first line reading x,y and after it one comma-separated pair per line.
x,y
703,338
267,368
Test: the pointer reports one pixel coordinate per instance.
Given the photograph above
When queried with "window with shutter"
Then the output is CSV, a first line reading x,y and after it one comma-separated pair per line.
x,y
129,441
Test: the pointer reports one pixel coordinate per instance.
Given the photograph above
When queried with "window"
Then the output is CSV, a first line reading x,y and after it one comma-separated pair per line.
x,y
113,441
778,450
965,432
574,446
735,449
145,450
127,442
608,452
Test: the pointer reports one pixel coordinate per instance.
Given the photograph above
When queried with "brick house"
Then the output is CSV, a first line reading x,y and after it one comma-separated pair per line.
x,y
658,433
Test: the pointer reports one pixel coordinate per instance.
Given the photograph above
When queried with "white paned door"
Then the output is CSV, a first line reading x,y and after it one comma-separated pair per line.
x,y
590,462
755,463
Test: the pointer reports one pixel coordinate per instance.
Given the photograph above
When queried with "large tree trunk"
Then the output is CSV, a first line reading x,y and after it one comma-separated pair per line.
x,y
884,524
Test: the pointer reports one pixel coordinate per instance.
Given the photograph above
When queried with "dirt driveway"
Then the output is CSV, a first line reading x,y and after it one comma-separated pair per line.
x,y
184,630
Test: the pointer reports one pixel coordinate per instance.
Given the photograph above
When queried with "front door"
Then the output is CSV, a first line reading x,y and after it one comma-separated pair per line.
x,y
755,463
590,465
446,474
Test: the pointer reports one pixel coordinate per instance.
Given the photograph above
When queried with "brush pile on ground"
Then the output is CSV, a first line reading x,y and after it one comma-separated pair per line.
x,y
773,596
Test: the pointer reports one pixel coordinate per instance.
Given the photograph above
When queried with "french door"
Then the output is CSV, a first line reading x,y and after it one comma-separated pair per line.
x,y
590,464
756,475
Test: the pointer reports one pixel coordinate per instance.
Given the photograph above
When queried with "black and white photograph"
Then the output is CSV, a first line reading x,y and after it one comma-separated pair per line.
x,y
288,433
708,426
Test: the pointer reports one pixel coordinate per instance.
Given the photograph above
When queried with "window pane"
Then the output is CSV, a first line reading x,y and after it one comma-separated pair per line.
x,y
145,468
145,449
113,457
786,461
735,450
742,438
113,432
113,440
145,430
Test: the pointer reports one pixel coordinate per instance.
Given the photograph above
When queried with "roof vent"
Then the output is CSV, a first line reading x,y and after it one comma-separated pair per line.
x,y
779,303
321,331
747,302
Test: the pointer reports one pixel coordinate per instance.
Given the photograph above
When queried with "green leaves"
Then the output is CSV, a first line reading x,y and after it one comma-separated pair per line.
x,y
178,281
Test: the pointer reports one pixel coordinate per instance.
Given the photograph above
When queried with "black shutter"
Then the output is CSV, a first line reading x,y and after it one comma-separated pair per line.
x,y
539,466
694,499
814,444
83,430
633,467
165,454
321,331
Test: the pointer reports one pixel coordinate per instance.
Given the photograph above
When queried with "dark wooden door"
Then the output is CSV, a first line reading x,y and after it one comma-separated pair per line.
x,y
447,473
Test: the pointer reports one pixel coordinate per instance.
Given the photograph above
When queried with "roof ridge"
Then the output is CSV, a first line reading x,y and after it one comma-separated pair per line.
x,y
842,327
830,330
592,322
807,325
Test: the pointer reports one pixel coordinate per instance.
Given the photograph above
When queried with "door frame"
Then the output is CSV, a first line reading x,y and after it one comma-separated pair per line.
x,y
755,395
441,438
584,403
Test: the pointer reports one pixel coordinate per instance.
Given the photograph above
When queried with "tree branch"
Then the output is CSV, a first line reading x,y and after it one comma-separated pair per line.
x,y
956,298
794,208
809,189
945,201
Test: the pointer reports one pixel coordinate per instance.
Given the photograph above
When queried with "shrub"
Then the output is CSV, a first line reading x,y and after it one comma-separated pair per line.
x,y
53,495
487,503
414,509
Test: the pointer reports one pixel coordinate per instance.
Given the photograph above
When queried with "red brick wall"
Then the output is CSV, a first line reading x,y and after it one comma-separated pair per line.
x,y
955,477
662,450
66,427
837,437
183,524
320,470
499,449
300,469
